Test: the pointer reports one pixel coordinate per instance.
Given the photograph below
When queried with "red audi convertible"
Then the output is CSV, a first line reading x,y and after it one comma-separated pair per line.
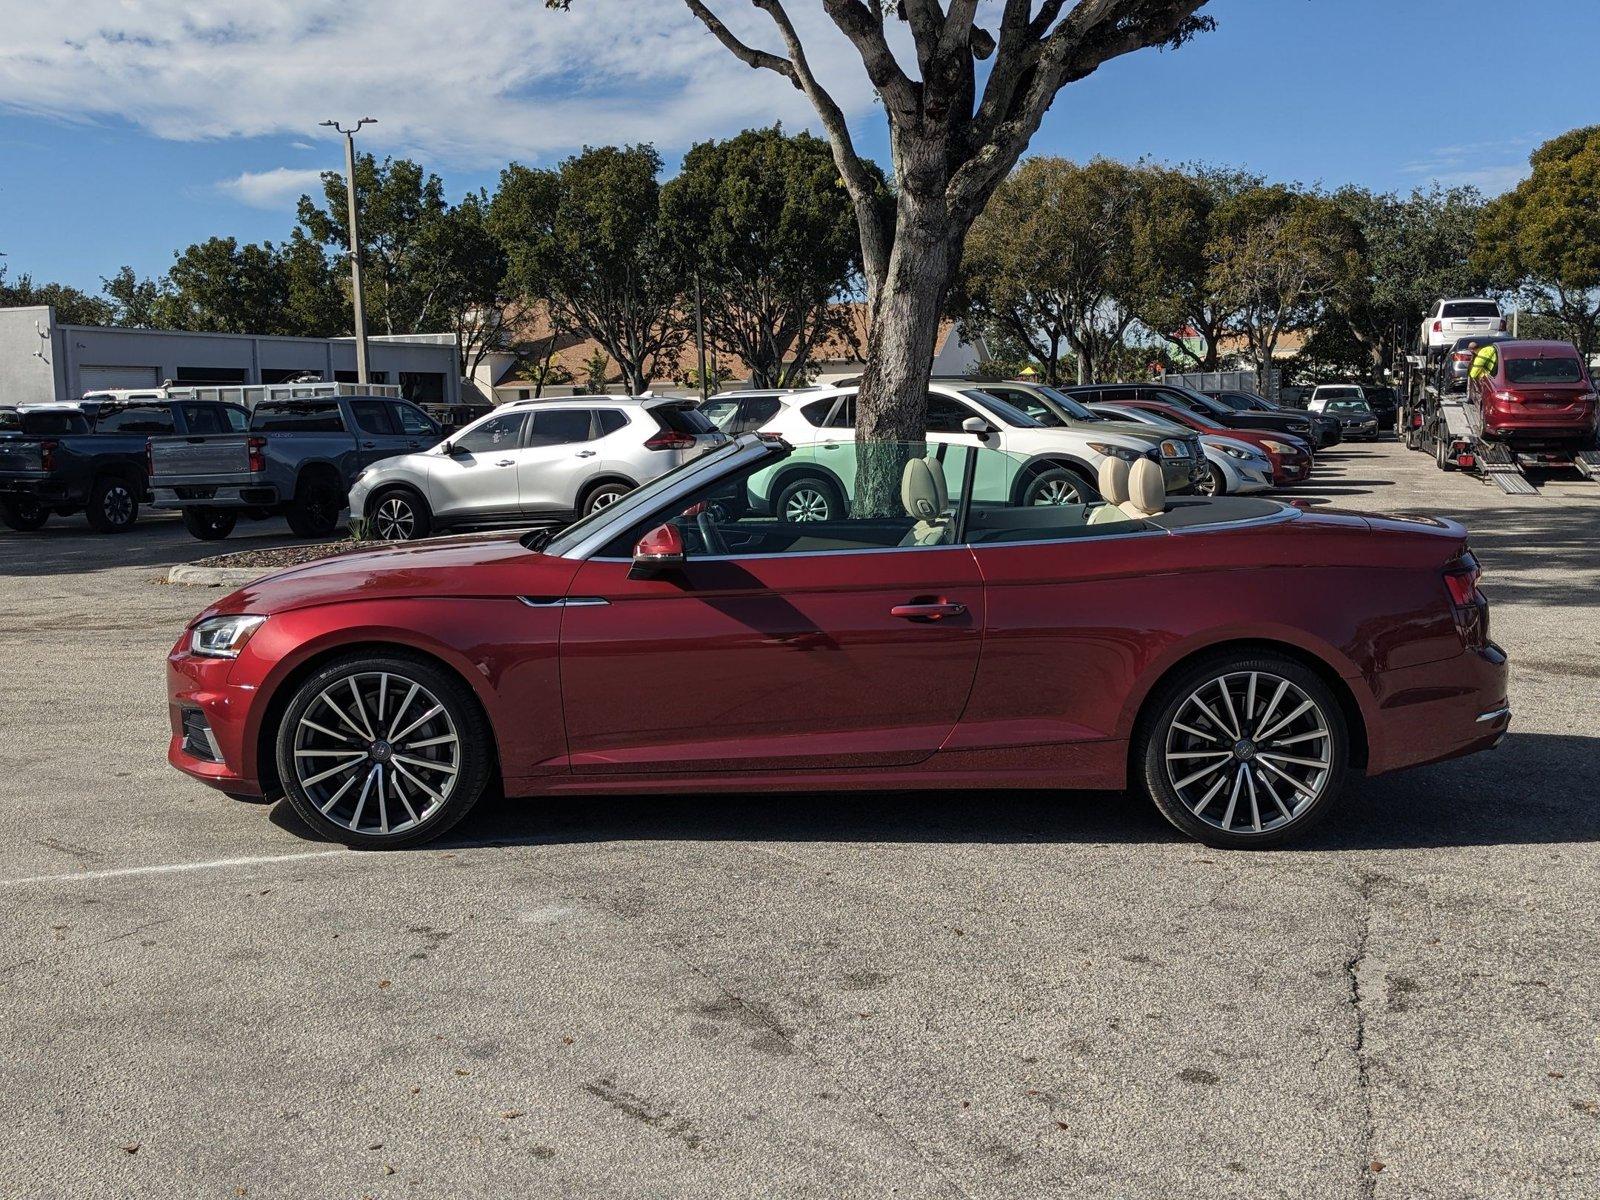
x,y
1231,658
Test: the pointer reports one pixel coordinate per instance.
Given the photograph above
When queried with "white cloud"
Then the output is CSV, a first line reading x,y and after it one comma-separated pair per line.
x,y
271,189
1490,166
459,84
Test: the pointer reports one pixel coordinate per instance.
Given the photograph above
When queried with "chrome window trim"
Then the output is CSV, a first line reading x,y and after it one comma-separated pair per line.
x,y
563,601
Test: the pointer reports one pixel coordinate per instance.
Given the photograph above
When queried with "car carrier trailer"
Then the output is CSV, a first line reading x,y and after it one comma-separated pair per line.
x,y
1445,425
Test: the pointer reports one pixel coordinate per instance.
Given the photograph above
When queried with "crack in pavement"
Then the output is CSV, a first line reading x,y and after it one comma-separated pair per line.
x,y
1367,1177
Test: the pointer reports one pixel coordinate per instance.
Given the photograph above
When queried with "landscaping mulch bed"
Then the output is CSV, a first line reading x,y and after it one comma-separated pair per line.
x,y
289,556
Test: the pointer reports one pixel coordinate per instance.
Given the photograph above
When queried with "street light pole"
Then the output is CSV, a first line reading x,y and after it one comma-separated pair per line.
x,y
355,241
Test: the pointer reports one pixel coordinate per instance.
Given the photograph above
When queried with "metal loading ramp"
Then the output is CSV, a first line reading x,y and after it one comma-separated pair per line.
x,y
1501,468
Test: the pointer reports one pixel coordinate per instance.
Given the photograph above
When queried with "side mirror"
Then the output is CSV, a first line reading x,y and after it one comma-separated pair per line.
x,y
658,551
453,450
978,426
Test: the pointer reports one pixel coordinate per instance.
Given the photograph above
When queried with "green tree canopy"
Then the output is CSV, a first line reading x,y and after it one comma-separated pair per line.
x,y
73,306
586,239
1542,239
765,222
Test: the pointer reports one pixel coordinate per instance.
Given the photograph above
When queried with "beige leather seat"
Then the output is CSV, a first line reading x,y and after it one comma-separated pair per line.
x,y
926,500
1113,490
1147,490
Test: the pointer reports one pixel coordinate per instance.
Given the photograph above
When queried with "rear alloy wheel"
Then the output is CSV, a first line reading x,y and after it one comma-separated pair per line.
x,y
604,496
1053,487
23,515
209,524
1245,753
809,499
399,516
383,752
113,507
315,511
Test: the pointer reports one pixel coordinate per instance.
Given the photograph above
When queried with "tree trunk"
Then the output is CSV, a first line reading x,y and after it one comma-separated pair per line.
x,y
893,402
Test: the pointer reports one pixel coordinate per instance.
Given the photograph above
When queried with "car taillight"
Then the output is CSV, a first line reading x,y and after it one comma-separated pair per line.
x,y
1438,326
1461,356
257,451
1502,324
149,461
47,455
669,439
1467,603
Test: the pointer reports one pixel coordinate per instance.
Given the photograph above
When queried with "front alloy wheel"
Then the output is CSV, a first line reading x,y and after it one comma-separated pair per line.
x,y
381,753
1247,753
400,517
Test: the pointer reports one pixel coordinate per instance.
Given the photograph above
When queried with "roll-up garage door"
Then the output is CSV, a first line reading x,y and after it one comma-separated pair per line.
x,y
105,379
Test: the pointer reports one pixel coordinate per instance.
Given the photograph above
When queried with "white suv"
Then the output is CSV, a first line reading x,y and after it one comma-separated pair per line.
x,y
1056,466
531,459
1448,320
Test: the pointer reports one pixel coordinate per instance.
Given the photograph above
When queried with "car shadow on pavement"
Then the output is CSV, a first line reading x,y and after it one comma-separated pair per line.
x,y
1533,790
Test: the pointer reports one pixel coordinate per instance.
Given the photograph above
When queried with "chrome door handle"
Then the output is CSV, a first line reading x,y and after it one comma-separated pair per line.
x,y
369,445
505,462
927,610
585,453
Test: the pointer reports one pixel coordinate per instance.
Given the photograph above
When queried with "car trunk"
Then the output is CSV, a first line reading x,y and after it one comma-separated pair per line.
x,y
21,453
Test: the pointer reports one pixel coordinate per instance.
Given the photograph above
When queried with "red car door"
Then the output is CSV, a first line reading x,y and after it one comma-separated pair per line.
x,y
849,658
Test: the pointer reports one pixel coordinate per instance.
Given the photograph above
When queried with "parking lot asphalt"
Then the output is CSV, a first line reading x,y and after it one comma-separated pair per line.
x,y
940,994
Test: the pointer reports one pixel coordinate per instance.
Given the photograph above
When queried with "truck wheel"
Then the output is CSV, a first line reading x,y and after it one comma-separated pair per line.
x,y
23,515
113,506
210,524
1441,452
315,511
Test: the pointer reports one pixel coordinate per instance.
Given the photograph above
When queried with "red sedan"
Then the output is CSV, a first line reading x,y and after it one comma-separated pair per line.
x,y
1231,658
1291,458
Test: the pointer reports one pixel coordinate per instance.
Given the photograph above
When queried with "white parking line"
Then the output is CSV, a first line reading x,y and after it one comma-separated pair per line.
x,y
214,864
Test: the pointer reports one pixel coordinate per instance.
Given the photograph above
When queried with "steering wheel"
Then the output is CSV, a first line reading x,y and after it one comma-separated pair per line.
x,y
709,533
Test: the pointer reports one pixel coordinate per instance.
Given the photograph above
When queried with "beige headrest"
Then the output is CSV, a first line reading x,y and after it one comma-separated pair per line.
x,y
1114,480
919,491
1147,490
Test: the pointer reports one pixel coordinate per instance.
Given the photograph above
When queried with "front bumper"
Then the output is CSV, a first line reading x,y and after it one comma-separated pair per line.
x,y
209,718
1291,471
1439,710
1182,474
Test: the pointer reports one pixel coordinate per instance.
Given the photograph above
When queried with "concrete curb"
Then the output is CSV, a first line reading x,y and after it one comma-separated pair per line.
x,y
192,576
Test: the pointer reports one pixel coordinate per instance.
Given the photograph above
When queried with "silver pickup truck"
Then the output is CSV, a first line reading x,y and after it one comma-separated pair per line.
x,y
297,459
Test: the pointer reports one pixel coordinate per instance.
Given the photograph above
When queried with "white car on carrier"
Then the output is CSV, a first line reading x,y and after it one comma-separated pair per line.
x,y
1448,320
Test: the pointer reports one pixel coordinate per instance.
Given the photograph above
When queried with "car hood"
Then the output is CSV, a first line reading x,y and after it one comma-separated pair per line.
x,y
1145,434
485,564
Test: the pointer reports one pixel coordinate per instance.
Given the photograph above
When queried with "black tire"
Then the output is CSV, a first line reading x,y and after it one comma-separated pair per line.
x,y
1155,739
23,515
209,524
399,515
113,505
348,824
603,495
1214,484
1441,452
809,498
315,511
1058,485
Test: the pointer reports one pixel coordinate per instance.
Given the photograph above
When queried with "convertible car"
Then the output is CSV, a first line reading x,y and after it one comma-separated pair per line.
x,y
1232,658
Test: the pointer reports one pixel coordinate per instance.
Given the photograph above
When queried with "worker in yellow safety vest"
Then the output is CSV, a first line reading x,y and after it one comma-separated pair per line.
x,y
1484,362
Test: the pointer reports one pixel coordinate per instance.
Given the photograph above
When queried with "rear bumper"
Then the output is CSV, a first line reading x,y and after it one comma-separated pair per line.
x,y
214,495
211,747
1439,710
40,487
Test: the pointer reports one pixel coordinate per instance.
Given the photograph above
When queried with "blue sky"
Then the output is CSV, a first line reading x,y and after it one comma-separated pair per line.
x,y
129,131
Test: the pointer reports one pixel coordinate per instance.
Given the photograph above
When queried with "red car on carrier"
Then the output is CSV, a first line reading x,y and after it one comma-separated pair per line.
x,y
1539,398
1231,658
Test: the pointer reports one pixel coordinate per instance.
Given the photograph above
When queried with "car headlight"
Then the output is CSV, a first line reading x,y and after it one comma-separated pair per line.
x,y
1233,452
1172,449
223,637
1278,447
1109,451
1298,426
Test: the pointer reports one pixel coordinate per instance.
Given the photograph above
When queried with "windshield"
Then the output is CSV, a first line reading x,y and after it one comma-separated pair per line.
x,y
641,497
44,423
1543,370
1074,408
1471,308
1158,423
1348,406
1004,409
1339,393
